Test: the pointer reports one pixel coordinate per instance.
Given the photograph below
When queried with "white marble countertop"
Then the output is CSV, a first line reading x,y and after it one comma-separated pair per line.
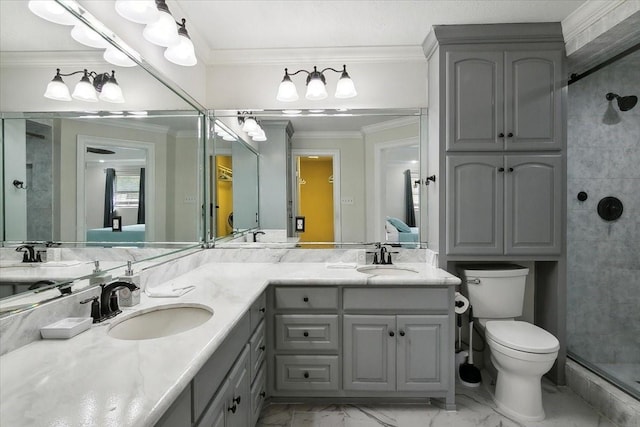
x,y
93,379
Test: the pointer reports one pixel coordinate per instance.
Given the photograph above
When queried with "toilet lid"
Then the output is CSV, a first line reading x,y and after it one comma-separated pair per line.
x,y
522,336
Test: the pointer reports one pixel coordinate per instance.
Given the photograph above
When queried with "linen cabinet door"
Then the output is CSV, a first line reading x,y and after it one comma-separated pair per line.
x,y
369,353
533,102
216,413
422,352
533,201
475,101
475,206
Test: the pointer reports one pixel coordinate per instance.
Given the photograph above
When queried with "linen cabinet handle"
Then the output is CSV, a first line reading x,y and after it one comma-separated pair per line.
x,y
500,169
392,334
305,299
305,333
501,135
233,408
401,333
306,375
510,135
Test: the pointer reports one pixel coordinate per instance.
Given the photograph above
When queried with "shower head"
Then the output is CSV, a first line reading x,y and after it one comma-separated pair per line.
x,y
625,103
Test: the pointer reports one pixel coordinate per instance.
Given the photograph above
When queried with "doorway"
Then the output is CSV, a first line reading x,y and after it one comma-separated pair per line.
x,y
316,194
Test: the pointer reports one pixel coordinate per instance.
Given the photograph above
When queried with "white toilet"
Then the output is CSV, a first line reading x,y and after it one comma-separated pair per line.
x,y
521,352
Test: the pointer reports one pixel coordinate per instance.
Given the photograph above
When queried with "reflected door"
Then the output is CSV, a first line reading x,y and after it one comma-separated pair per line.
x,y
315,197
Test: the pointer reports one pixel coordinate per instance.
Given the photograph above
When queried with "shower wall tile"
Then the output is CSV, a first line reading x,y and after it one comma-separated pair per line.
x,y
603,258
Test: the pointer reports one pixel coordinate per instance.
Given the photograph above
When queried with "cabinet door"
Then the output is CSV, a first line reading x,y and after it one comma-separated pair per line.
x,y
239,404
533,103
422,353
475,205
216,413
369,353
533,198
475,101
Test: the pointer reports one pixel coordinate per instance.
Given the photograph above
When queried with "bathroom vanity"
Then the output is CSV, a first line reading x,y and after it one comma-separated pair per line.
x,y
220,372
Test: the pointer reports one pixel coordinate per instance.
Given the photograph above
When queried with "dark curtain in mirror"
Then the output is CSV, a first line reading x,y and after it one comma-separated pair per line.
x,y
410,214
141,202
109,188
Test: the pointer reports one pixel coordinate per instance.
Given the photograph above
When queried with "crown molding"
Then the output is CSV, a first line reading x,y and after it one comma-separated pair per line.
x,y
327,135
55,59
308,55
390,124
128,124
586,16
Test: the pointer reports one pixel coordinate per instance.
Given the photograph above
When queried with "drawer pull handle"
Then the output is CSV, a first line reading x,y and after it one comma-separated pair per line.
x,y
263,394
306,375
305,333
236,400
262,310
401,333
262,347
392,334
233,408
305,299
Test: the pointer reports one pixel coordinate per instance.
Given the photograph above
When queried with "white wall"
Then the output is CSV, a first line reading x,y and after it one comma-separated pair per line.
x,y
184,176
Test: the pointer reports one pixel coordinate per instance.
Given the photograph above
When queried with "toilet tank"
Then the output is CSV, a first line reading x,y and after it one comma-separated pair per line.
x,y
496,291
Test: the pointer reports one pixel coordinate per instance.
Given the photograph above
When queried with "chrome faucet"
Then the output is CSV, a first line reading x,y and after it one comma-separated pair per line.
x,y
255,234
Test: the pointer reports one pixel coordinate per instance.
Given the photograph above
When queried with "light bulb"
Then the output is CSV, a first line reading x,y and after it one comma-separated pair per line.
x,y
52,11
316,90
139,11
345,87
182,53
250,125
287,90
57,90
163,31
84,90
88,37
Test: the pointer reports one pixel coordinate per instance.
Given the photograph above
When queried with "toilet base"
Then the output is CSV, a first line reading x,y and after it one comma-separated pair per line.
x,y
519,396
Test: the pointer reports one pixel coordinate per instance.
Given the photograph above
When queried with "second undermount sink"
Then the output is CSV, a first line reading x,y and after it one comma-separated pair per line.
x,y
386,270
160,322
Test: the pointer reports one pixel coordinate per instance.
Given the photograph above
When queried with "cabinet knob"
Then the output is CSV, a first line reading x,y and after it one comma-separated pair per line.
x,y
233,408
401,333
392,334
305,333
305,299
501,135
236,400
262,348
510,135
510,169
306,375
500,169
263,394
262,310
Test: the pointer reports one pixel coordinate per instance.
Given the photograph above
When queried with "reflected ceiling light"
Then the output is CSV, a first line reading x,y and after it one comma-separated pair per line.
x,y
182,53
316,85
116,57
163,31
87,89
88,37
251,126
291,111
138,11
52,11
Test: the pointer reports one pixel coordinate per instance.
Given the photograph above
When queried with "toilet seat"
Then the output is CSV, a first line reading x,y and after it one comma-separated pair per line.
x,y
521,336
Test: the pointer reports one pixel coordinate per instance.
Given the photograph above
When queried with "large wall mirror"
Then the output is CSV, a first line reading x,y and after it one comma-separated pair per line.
x,y
352,177
91,175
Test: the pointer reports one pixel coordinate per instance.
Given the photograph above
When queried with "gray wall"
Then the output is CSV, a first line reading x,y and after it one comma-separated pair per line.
x,y
39,182
603,291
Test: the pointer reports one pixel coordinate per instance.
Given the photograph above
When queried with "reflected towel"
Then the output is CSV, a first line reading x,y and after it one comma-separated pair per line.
x,y
341,265
168,291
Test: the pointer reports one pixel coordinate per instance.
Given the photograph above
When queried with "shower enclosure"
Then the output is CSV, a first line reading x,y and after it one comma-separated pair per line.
x,y
603,288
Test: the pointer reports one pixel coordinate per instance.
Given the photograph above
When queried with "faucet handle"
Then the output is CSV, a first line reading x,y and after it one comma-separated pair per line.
x,y
95,308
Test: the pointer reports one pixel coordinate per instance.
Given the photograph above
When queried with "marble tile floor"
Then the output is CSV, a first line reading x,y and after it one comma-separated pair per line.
x,y
475,408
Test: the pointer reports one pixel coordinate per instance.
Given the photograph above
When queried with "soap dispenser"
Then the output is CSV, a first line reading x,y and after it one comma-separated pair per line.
x,y
127,297
97,277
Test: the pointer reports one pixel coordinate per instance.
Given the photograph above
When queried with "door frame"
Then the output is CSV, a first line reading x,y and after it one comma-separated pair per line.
x,y
337,213
83,141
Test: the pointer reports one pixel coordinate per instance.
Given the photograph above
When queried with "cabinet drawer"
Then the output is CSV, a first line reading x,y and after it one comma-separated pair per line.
x,y
258,394
306,332
258,349
258,308
415,299
308,373
306,297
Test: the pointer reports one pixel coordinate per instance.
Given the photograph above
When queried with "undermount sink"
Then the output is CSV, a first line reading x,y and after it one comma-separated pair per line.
x,y
160,322
386,270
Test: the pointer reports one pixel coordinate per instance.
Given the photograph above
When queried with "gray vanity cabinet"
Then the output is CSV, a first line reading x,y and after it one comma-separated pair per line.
x,y
503,99
389,353
504,204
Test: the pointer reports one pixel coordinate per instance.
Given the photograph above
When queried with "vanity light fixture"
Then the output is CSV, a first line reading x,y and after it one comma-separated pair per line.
x,y
182,53
316,85
163,31
138,11
87,89
88,37
52,12
116,57
251,126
